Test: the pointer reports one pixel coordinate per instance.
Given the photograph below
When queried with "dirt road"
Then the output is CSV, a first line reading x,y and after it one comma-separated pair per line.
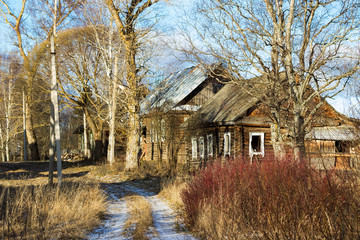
x,y
165,223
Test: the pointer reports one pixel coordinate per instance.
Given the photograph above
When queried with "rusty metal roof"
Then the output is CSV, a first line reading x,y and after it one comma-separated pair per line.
x,y
333,133
174,88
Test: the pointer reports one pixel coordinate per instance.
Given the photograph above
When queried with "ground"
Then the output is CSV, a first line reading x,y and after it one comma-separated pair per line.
x,y
165,223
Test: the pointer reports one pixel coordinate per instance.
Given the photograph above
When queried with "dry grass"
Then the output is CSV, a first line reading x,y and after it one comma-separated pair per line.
x,y
171,192
43,212
106,169
140,222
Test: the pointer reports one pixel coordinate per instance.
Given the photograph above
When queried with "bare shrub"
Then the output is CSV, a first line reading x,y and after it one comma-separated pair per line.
x,y
272,200
44,212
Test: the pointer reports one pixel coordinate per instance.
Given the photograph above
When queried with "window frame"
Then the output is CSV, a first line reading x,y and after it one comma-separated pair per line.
x,y
201,147
262,144
162,130
210,147
228,152
194,148
152,131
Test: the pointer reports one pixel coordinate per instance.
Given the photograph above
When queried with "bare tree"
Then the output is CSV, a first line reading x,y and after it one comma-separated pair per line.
x,y
304,50
98,18
87,56
128,16
25,35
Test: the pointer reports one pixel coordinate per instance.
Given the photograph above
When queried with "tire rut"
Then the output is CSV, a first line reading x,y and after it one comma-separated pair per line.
x,y
165,224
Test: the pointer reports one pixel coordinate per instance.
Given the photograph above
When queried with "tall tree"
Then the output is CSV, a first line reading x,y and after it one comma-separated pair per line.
x,y
302,48
97,17
15,20
127,15
85,82
10,67
25,34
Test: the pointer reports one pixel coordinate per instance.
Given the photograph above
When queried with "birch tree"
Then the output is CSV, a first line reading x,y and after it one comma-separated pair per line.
x,y
14,21
87,56
303,50
132,30
25,35
97,17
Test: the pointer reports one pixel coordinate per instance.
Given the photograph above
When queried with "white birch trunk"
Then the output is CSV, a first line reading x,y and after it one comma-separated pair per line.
x,y
113,103
54,99
24,129
51,147
8,117
2,144
86,149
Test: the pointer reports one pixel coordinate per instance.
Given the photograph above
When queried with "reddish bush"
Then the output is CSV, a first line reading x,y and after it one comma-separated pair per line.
x,y
274,199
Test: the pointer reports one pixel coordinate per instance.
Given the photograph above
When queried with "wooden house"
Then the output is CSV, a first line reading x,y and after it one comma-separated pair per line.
x,y
236,123
194,118
175,100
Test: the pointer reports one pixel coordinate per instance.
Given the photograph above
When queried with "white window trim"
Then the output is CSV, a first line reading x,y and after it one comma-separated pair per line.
x,y
152,132
163,130
201,147
262,145
228,152
194,148
210,147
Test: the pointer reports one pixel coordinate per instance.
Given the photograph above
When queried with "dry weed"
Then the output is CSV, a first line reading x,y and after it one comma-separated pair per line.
x,y
171,192
43,212
141,220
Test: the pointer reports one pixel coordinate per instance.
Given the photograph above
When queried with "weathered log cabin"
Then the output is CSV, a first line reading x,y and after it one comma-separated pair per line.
x,y
236,123
174,101
193,118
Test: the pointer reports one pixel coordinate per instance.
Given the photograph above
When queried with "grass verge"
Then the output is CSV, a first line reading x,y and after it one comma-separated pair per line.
x,y
171,192
139,223
44,212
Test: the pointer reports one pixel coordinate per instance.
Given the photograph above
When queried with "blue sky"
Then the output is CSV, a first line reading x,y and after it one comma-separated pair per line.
x,y
342,103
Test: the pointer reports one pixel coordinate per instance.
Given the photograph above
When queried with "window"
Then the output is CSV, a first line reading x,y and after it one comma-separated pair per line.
x,y
342,147
152,131
194,148
256,144
163,129
201,147
209,140
227,143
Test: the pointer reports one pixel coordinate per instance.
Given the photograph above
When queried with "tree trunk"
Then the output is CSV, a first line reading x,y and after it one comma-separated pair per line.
x,y
2,144
97,133
98,148
299,137
8,117
133,143
86,147
277,142
113,103
51,147
31,137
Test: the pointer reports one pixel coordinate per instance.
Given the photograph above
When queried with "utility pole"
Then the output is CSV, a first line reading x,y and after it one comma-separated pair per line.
x,y
55,119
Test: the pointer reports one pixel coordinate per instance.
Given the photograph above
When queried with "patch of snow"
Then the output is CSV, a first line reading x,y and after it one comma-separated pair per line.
x,y
115,222
165,224
164,217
